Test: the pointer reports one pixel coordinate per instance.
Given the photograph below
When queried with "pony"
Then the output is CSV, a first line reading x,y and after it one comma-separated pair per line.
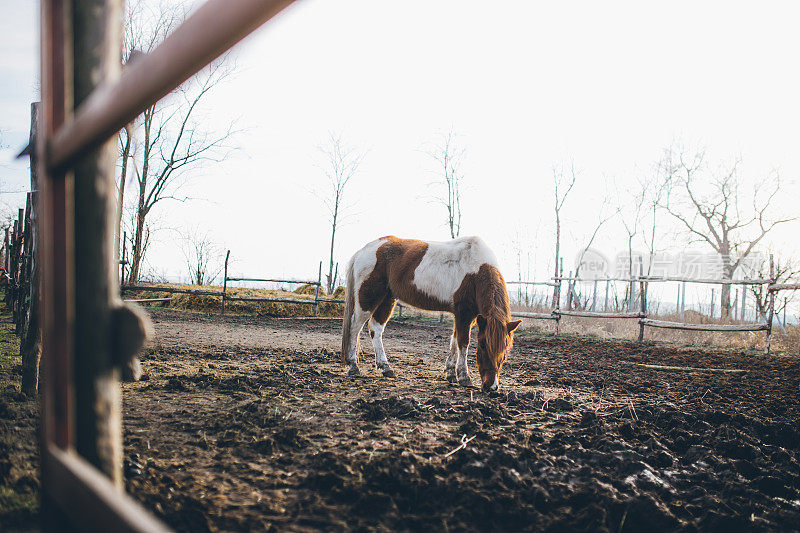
x,y
459,276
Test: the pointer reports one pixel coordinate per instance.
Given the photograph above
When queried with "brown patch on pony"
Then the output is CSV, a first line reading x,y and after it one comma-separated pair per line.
x,y
393,277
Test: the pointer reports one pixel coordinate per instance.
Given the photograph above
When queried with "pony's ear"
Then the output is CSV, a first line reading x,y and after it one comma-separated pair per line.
x,y
513,325
481,322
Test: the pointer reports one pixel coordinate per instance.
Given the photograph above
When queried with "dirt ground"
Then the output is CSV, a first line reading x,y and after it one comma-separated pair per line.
x,y
251,424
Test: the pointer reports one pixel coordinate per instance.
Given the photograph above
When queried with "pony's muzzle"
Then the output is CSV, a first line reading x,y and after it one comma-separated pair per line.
x,y
493,386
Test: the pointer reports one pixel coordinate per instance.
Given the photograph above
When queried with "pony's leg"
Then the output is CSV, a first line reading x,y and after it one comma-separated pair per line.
x,y
358,320
462,330
450,363
376,326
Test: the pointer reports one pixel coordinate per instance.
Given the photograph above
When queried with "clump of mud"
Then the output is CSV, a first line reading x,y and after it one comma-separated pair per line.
x,y
388,408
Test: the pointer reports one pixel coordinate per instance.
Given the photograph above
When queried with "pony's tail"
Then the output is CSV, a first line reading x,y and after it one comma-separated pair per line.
x,y
349,309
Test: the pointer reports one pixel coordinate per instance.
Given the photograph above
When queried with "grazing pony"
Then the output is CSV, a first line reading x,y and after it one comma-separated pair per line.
x,y
459,276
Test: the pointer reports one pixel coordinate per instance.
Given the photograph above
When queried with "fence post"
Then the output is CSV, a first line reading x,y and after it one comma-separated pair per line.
x,y
225,282
569,291
594,295
30,347
711,312
316,292
642,302
605,301
557,294
683,298
106,333
771,308
742,308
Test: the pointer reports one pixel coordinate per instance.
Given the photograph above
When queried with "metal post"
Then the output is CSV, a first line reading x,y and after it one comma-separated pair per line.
x,y
316,292
678,301
771,305
225,281
736,304
605,301
594,295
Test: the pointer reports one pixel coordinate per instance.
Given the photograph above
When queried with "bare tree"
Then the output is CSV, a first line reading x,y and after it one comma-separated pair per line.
x,y
713,208
786,271
563,182
169,142
203,256
125,152
449,156
341,164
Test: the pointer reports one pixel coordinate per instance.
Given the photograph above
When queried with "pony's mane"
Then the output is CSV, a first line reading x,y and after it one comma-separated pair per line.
x,y
497,312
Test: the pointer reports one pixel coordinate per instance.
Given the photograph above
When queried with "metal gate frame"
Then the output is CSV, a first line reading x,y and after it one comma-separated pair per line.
x,y
76,495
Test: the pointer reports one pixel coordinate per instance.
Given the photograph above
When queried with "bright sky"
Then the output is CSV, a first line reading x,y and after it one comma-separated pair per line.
x,y
526,85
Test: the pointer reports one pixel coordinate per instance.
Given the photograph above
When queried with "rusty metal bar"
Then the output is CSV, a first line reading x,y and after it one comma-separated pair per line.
x,y
210,31
89,499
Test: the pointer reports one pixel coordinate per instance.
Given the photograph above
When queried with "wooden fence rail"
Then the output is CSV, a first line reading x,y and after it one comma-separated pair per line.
x,y
223,294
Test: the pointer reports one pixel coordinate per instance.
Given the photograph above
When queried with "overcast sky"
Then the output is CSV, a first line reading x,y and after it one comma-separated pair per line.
x,y
525,85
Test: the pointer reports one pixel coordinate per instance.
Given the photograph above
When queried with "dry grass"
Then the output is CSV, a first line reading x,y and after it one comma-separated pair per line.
x,y
213,304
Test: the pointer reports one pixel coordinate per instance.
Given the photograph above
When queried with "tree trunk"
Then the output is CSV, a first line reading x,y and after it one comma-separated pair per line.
x,y
136,255
725,291
333,239
558,251
126,152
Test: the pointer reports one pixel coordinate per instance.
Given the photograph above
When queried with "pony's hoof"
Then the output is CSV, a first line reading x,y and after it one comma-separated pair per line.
x,y
388,373
353,371
452,379
465,381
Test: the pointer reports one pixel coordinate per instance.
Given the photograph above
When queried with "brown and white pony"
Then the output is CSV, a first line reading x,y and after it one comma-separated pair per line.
x,y
459,276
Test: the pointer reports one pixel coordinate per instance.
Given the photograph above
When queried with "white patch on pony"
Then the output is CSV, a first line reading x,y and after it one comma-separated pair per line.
x,y
377,342
445,264
364,262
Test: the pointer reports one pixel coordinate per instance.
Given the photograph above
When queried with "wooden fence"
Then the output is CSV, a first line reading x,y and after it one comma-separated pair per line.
x,y
225,297
642,313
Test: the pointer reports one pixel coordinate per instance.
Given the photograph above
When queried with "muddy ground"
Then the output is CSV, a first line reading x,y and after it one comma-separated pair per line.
x,y
251,424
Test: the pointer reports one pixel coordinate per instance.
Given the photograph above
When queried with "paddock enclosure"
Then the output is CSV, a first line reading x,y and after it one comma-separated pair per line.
x,y
241,424
251,423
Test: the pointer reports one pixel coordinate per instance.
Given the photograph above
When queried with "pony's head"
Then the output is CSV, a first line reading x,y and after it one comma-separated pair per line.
x,y
495,337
